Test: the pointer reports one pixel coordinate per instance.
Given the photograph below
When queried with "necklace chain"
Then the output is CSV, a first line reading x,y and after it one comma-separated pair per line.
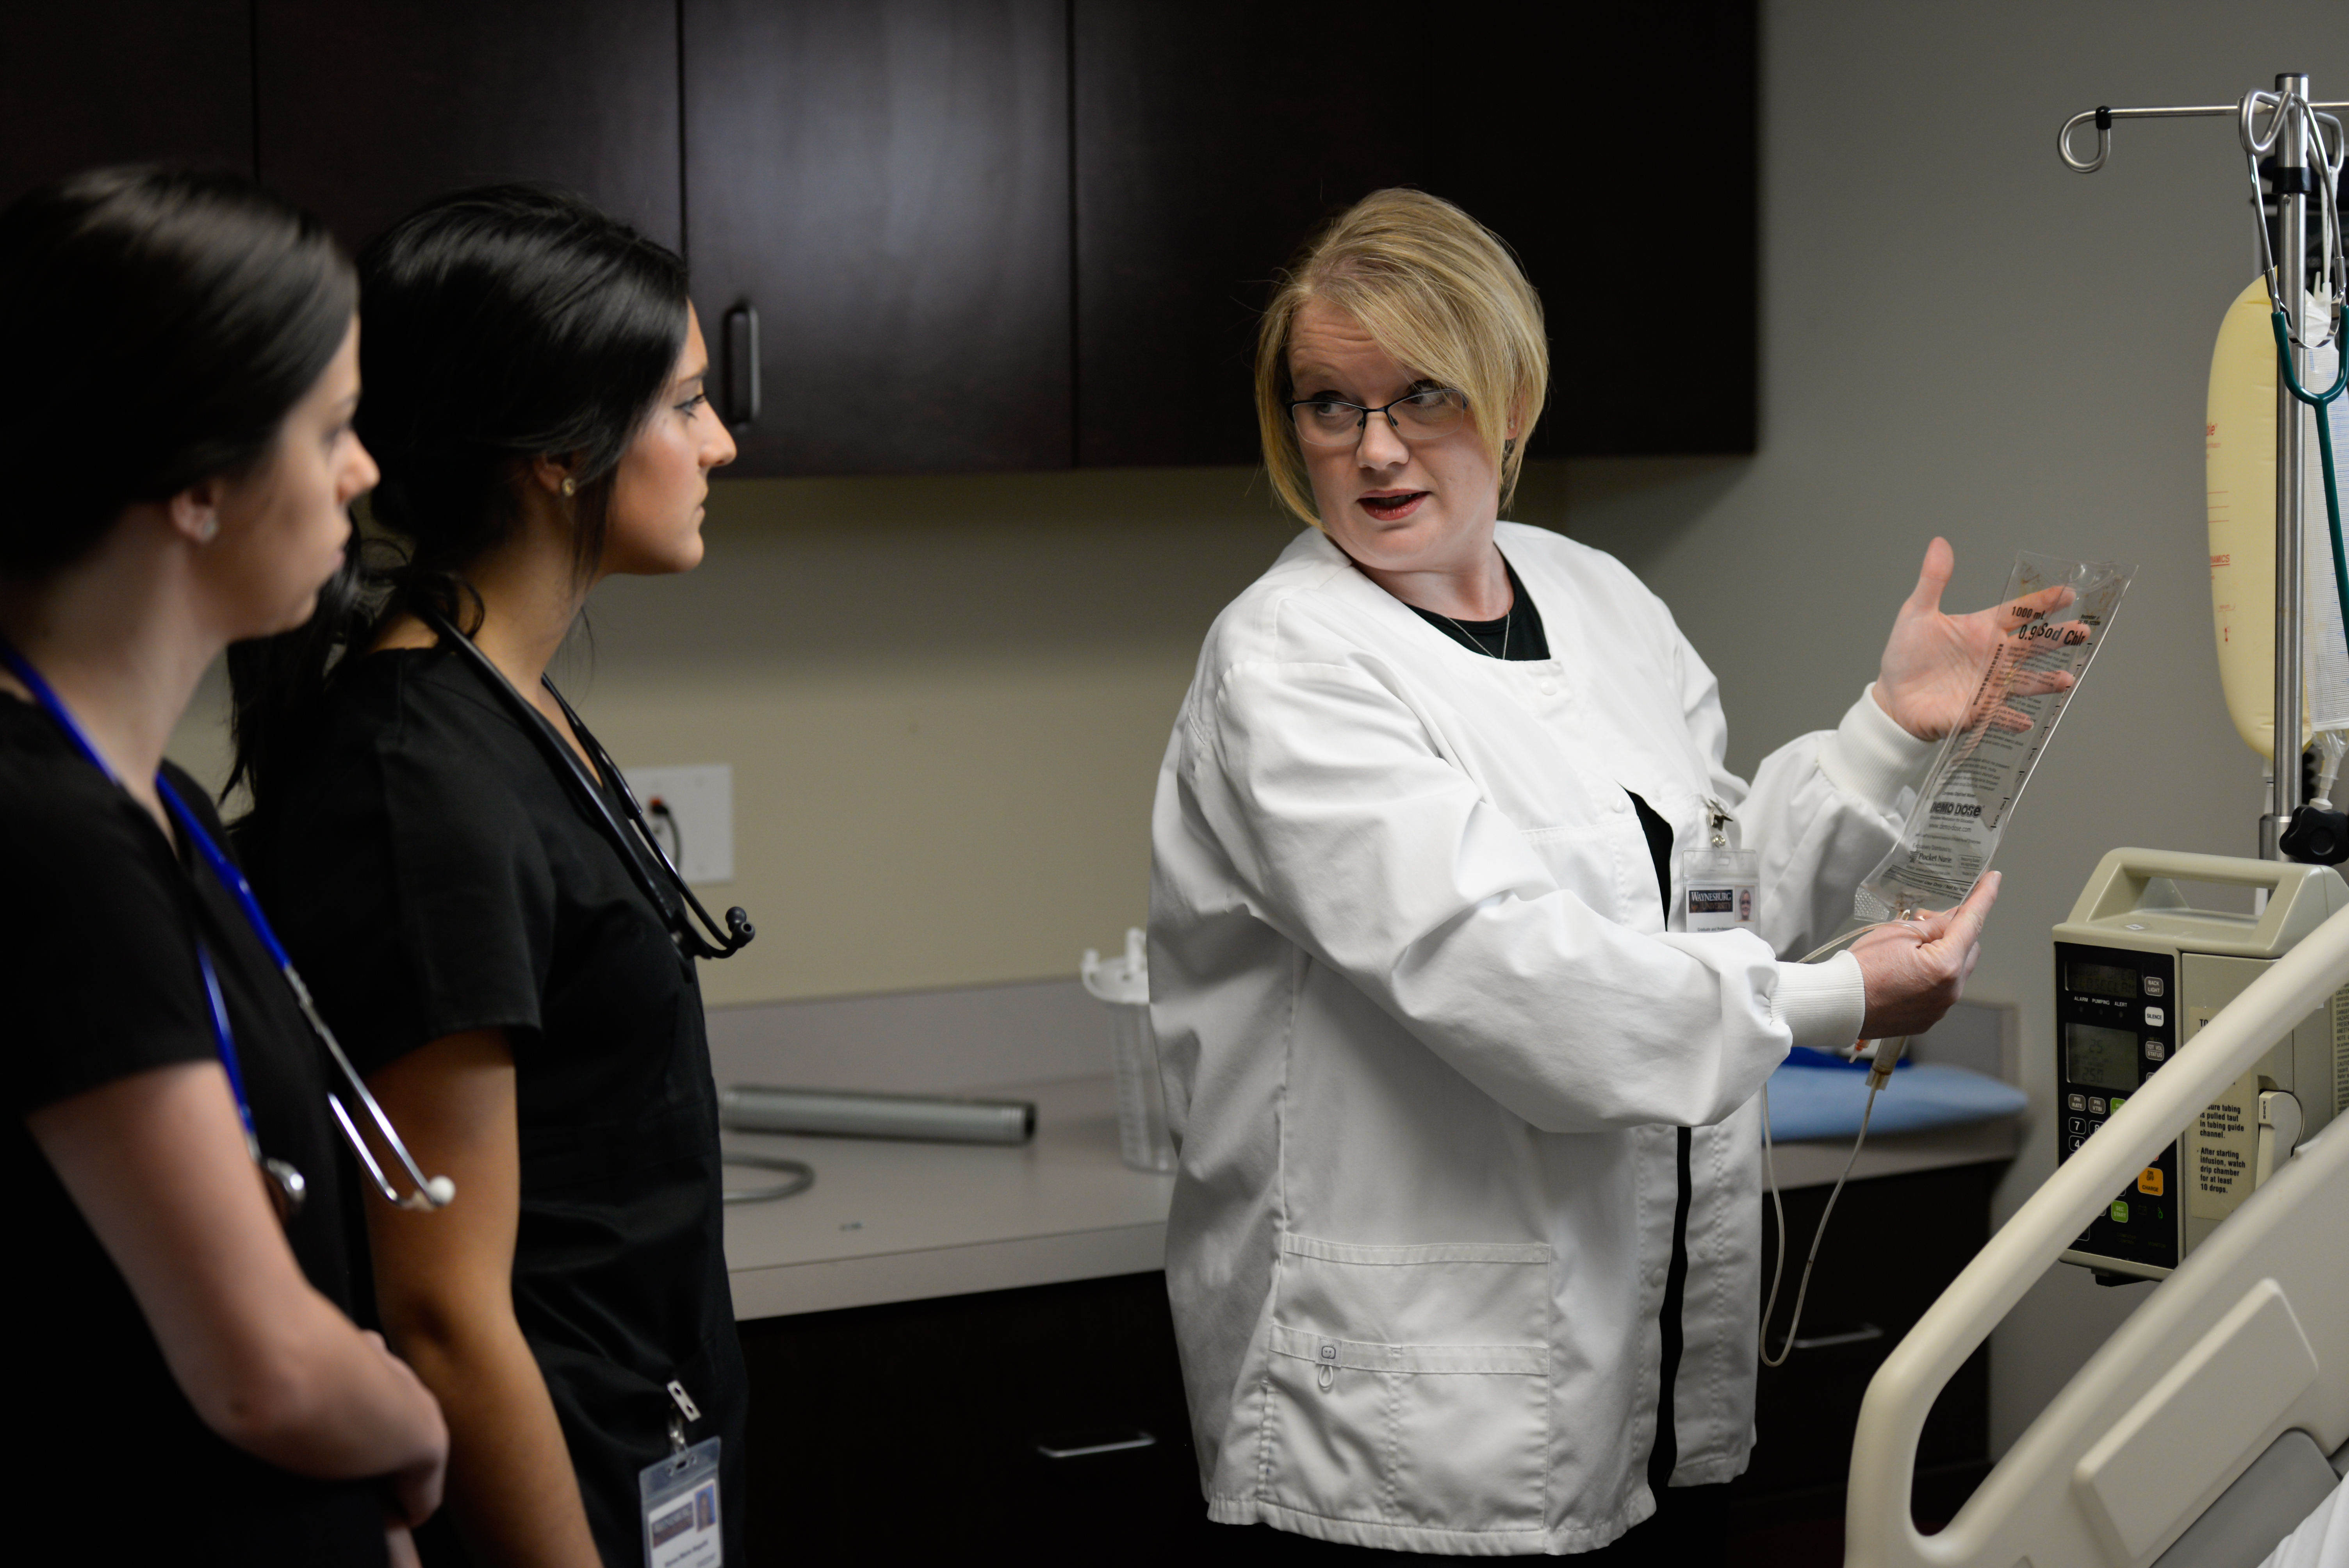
x,y
1507,618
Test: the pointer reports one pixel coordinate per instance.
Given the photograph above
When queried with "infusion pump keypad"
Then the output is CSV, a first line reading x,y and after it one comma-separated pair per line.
x,y
2116,1012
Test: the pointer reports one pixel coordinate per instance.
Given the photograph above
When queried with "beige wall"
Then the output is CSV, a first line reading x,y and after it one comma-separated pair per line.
x,y
945,700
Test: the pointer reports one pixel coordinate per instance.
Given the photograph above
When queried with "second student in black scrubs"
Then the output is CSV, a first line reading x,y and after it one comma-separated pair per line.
x,y
534,374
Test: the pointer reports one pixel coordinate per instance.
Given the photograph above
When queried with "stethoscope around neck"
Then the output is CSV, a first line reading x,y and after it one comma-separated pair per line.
x,y
286,1186
674,901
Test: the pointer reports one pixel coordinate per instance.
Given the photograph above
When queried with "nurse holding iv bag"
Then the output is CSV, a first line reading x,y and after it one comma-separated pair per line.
x,y
1465,1251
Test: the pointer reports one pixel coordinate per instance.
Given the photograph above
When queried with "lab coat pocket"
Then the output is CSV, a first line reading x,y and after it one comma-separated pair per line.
x,y
1410,1386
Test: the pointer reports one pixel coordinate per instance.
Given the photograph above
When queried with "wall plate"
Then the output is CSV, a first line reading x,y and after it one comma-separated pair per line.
x,y
692,811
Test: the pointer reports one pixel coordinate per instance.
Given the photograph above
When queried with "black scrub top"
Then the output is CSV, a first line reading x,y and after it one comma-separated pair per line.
x,y
99,927
431,874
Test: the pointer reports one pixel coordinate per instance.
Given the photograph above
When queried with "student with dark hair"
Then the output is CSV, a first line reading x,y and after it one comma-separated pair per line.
x,y
431,822
176,429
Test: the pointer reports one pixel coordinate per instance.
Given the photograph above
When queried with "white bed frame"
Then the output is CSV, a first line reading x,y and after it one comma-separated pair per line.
x,y
2245,1345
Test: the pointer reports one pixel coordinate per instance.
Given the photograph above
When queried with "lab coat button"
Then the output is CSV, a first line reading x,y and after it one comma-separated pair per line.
x,y
1548,688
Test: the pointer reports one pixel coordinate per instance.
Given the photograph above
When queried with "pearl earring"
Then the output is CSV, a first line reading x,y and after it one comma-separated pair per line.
x,y
208,529
570,487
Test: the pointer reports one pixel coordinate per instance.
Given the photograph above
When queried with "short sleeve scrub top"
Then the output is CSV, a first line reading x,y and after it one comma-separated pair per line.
x,y
100,923
431,876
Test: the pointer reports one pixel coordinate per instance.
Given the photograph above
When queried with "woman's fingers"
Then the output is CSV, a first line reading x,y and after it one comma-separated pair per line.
x,y
1932,578
1961,938
1914,970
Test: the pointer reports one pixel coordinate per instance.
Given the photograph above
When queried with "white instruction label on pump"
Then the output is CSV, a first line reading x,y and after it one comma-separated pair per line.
x,y
2215,1155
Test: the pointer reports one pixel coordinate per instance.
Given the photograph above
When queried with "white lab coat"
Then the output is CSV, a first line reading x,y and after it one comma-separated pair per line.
x,y
1426,1039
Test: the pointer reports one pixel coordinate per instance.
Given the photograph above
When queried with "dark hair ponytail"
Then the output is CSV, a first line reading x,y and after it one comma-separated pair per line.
x,y
500,325
157,326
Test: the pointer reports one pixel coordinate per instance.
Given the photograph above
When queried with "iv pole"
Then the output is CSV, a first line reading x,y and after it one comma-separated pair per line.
x,y
2297,149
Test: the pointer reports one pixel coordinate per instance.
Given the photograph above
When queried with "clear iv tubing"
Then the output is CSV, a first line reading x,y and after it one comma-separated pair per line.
x,y
1878,1076
2336,265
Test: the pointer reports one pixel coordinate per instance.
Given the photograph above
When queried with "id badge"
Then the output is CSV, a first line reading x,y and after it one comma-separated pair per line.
x,y
1724,882
680,1513
1725,888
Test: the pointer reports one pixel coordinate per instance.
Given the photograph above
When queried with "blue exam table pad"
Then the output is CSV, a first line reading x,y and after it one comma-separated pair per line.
x,y
1815,1095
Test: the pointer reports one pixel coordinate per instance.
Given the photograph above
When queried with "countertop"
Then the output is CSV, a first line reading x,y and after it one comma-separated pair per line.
x,y
890,1221
900,1222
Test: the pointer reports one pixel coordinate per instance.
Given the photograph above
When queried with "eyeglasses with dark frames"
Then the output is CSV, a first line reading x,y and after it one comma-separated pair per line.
x,y
1425,415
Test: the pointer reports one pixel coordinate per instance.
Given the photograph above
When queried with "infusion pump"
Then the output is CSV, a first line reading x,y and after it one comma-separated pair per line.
x,y
2138,972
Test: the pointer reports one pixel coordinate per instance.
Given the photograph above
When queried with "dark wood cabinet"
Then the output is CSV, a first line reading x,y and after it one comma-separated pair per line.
x,y
959,235
914,1431
886,184
1212,139
1894,1244
1615,149
367,108
123,81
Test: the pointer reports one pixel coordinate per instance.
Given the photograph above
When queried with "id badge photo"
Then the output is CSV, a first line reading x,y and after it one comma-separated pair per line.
x,y
680,1502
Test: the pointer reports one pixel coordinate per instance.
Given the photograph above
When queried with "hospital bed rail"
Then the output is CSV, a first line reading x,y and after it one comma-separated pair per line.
x,y
2245,1342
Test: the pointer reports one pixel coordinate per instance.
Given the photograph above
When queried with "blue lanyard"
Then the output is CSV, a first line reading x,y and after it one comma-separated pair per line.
x,y
222,868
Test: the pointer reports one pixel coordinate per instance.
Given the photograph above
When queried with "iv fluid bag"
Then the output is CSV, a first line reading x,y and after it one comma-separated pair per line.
x,y
2058,612
2239,469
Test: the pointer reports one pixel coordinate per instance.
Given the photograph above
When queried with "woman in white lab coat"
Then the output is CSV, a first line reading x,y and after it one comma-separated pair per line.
x,y
1463,1253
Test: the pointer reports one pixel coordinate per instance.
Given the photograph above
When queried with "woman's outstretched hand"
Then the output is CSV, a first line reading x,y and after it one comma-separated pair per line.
x,y
1934,663
1915,970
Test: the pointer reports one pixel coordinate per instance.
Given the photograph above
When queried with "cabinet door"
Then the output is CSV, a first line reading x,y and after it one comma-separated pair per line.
x,y
882,188
1614,149
1894,1244
1212,139
124,81
957,1428
367,108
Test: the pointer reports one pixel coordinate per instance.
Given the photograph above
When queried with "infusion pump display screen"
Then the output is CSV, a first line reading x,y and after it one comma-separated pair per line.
x,y
2101,980
2116,1024
2098,1057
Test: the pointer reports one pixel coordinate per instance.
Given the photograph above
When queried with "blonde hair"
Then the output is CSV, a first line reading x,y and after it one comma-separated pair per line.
x,y
1439,292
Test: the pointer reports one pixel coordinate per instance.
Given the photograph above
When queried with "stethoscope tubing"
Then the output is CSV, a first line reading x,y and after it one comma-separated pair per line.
x,y
721,942
428,1193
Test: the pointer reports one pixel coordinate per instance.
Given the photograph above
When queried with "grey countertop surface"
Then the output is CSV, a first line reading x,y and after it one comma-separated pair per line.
x,y
900,1222
891,1221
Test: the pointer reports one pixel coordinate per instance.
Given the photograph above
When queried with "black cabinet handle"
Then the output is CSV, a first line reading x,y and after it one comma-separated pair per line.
x,y
1860,1335
742,364
1139,1440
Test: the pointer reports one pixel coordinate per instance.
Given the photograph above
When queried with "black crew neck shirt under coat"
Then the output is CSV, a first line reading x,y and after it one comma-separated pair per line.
x,y
98,925
432,875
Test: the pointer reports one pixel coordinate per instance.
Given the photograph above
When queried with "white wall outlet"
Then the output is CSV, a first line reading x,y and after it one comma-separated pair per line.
x,y
692,811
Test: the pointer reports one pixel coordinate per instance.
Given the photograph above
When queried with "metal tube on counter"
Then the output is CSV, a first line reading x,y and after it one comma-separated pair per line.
x,y
750,1108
